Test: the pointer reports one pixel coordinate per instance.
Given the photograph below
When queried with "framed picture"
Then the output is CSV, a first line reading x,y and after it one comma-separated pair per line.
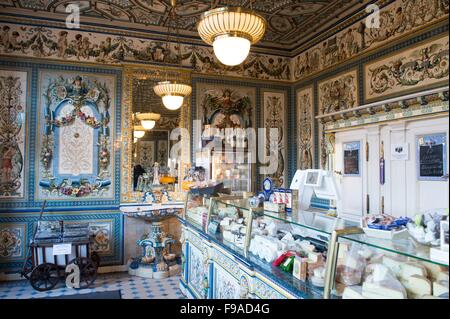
x,y
431,157
352,158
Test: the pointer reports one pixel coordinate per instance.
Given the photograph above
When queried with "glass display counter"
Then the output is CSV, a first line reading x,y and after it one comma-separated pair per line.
x,y
312,255
373,268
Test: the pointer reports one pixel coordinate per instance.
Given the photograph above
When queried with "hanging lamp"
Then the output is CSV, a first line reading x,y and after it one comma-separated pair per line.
x,y
139,131
173,92
231,31
148,120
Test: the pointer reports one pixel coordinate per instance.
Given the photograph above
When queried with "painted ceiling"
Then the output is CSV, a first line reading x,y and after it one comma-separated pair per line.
x,y
291,23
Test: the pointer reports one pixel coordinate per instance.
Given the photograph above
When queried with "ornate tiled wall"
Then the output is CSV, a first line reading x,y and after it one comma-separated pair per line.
x,y
412,65
41,102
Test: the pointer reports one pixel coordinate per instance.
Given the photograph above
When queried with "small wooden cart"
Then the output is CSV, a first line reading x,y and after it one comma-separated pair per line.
x,y
44,270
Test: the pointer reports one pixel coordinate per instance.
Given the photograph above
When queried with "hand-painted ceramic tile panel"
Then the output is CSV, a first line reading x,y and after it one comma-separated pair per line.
x,y
76,135
395,20
305,128
274,116
338,93
423,66
13,129
76,45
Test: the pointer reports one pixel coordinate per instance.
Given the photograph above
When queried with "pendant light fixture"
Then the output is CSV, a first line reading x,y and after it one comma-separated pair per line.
x,y
148,120
139,131
231,31
173,92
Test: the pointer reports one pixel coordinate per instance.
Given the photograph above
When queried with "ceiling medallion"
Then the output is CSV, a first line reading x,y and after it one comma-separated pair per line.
x,y
231,31
172,92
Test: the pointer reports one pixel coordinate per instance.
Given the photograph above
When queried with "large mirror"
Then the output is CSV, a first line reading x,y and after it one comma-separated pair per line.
x,y
153,147
147,148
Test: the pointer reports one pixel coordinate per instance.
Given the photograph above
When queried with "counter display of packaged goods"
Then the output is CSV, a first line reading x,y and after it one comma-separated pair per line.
x,y
312,255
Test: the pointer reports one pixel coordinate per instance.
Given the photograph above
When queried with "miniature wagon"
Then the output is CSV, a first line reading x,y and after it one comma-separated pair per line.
x,y
44,269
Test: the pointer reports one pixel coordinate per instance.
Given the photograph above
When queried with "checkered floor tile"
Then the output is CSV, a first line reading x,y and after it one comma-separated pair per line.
x,y
130,287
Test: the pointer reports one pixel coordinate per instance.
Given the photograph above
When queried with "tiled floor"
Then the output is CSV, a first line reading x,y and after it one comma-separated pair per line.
x,y
131,288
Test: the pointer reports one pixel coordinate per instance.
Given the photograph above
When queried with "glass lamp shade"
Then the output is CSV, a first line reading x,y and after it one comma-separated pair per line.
x,y
231,50
231,31
148,124
172,102
139,132
172,93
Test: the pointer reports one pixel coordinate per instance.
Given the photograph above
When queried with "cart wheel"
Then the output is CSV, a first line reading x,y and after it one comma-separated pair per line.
x,y
44,277
88,271
95,259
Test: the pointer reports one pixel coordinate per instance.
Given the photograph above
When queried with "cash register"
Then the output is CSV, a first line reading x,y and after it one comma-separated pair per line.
x,y
322,185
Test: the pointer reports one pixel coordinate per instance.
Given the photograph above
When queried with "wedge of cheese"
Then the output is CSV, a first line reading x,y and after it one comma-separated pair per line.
x,y
409,269
417,286
383,290
393,263
436,272
353,292
440,288
442,276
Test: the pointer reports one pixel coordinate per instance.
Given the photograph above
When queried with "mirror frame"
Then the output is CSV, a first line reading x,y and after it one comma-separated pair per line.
x,y
130,73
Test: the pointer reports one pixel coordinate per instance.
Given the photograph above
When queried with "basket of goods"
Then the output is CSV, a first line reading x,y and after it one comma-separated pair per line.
x,y
425,229
385,226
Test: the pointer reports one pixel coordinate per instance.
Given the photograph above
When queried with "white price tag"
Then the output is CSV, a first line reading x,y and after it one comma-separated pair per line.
x,y
62,249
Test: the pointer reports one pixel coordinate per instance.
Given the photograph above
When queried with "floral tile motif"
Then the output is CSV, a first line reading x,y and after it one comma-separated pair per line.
x,y
11,242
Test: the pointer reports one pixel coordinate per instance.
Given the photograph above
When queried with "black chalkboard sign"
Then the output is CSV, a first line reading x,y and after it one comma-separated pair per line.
x,y
351,158
431,160
431,156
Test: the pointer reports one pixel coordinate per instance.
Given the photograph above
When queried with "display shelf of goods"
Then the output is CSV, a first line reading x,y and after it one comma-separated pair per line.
x,y
373,268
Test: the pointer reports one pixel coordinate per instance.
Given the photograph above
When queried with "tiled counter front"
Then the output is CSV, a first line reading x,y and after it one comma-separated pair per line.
x,y
210,271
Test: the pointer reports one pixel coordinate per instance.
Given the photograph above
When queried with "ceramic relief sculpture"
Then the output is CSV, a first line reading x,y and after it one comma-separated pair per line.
x,y
305,128
396,20
338,93
13,92
424,66
92,47
226,107
11,242
76,121
274,117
